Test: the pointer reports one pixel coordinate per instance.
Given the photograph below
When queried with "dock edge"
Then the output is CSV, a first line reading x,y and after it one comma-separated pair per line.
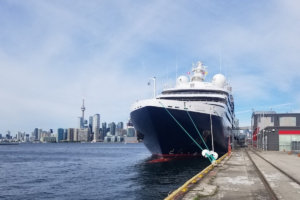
x,y
187,185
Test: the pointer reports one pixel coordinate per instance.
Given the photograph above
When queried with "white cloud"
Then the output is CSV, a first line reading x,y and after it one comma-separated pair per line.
x,y
54,53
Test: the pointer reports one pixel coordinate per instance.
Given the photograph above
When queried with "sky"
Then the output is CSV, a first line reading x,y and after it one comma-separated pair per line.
x,y
54,53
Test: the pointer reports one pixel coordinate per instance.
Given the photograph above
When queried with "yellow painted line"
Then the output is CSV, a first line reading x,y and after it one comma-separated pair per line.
x,y
184,188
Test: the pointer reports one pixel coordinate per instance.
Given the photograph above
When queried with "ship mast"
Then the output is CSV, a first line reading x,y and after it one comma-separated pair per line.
x,y
199,72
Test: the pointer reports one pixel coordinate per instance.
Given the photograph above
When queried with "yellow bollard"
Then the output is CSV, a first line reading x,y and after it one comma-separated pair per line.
x,y
184,190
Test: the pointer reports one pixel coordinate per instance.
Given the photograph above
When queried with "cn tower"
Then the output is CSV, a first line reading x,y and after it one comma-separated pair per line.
x,y
82,109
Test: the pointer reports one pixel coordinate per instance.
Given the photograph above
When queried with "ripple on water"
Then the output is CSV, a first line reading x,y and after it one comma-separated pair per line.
x,y
89,171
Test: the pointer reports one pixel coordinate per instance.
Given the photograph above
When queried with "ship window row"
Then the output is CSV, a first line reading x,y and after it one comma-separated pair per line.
x,y
206,99
227,111
228,118
195,92
216,105
230,107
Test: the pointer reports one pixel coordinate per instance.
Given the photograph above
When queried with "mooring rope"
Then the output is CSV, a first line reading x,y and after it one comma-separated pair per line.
x,y
209,156
197,129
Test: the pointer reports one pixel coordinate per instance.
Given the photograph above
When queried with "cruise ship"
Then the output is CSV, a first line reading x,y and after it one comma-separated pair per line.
x,y
192,116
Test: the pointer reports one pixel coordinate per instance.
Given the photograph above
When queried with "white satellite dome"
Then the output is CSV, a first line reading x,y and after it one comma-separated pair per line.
x,y
182,80
219,80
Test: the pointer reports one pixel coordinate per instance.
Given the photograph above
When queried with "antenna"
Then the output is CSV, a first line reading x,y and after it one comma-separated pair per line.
x,y
167,72
176,68
220,60
166,84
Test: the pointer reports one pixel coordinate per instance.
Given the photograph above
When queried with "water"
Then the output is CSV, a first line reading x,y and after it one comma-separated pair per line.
x,y
89,171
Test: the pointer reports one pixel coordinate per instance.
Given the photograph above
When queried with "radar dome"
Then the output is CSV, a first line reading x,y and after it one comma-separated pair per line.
x,y
182,80
219,80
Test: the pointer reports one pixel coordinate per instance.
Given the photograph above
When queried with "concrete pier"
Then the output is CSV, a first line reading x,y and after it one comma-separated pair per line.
x,y
289,163
240,178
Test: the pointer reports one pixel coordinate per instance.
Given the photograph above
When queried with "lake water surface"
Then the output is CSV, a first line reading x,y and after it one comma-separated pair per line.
x,y
89,171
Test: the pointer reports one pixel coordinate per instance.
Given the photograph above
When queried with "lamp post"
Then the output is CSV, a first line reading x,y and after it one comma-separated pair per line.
x,y
211,130
154,86
263,142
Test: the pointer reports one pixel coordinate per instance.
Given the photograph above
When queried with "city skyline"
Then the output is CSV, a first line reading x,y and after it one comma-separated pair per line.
x,y
87,132
54,53
92,122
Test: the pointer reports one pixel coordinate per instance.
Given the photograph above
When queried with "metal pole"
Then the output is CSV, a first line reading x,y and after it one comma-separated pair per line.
x,y
263,142
263,132
154,87
211,131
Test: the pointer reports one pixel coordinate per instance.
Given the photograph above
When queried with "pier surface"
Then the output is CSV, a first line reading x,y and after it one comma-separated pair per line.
x,y
250,174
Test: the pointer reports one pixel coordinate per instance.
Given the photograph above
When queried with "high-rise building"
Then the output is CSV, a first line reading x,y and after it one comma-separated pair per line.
x,y
45,135
104,130
96,127
75,136
27,138
36,134
66,134
120,125
21,136
8,136
131,131
119,128
60,134
91,122
83,134
70,137
131,135
112,128
40,134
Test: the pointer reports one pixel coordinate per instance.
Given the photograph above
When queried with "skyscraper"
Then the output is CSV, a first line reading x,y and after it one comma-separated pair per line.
x,y
75,136
40,134
91,122
66,134
130,131
20,136
60,134
131,134
119,128
83,135
104,130
96,127
70,137
36,134
112,128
